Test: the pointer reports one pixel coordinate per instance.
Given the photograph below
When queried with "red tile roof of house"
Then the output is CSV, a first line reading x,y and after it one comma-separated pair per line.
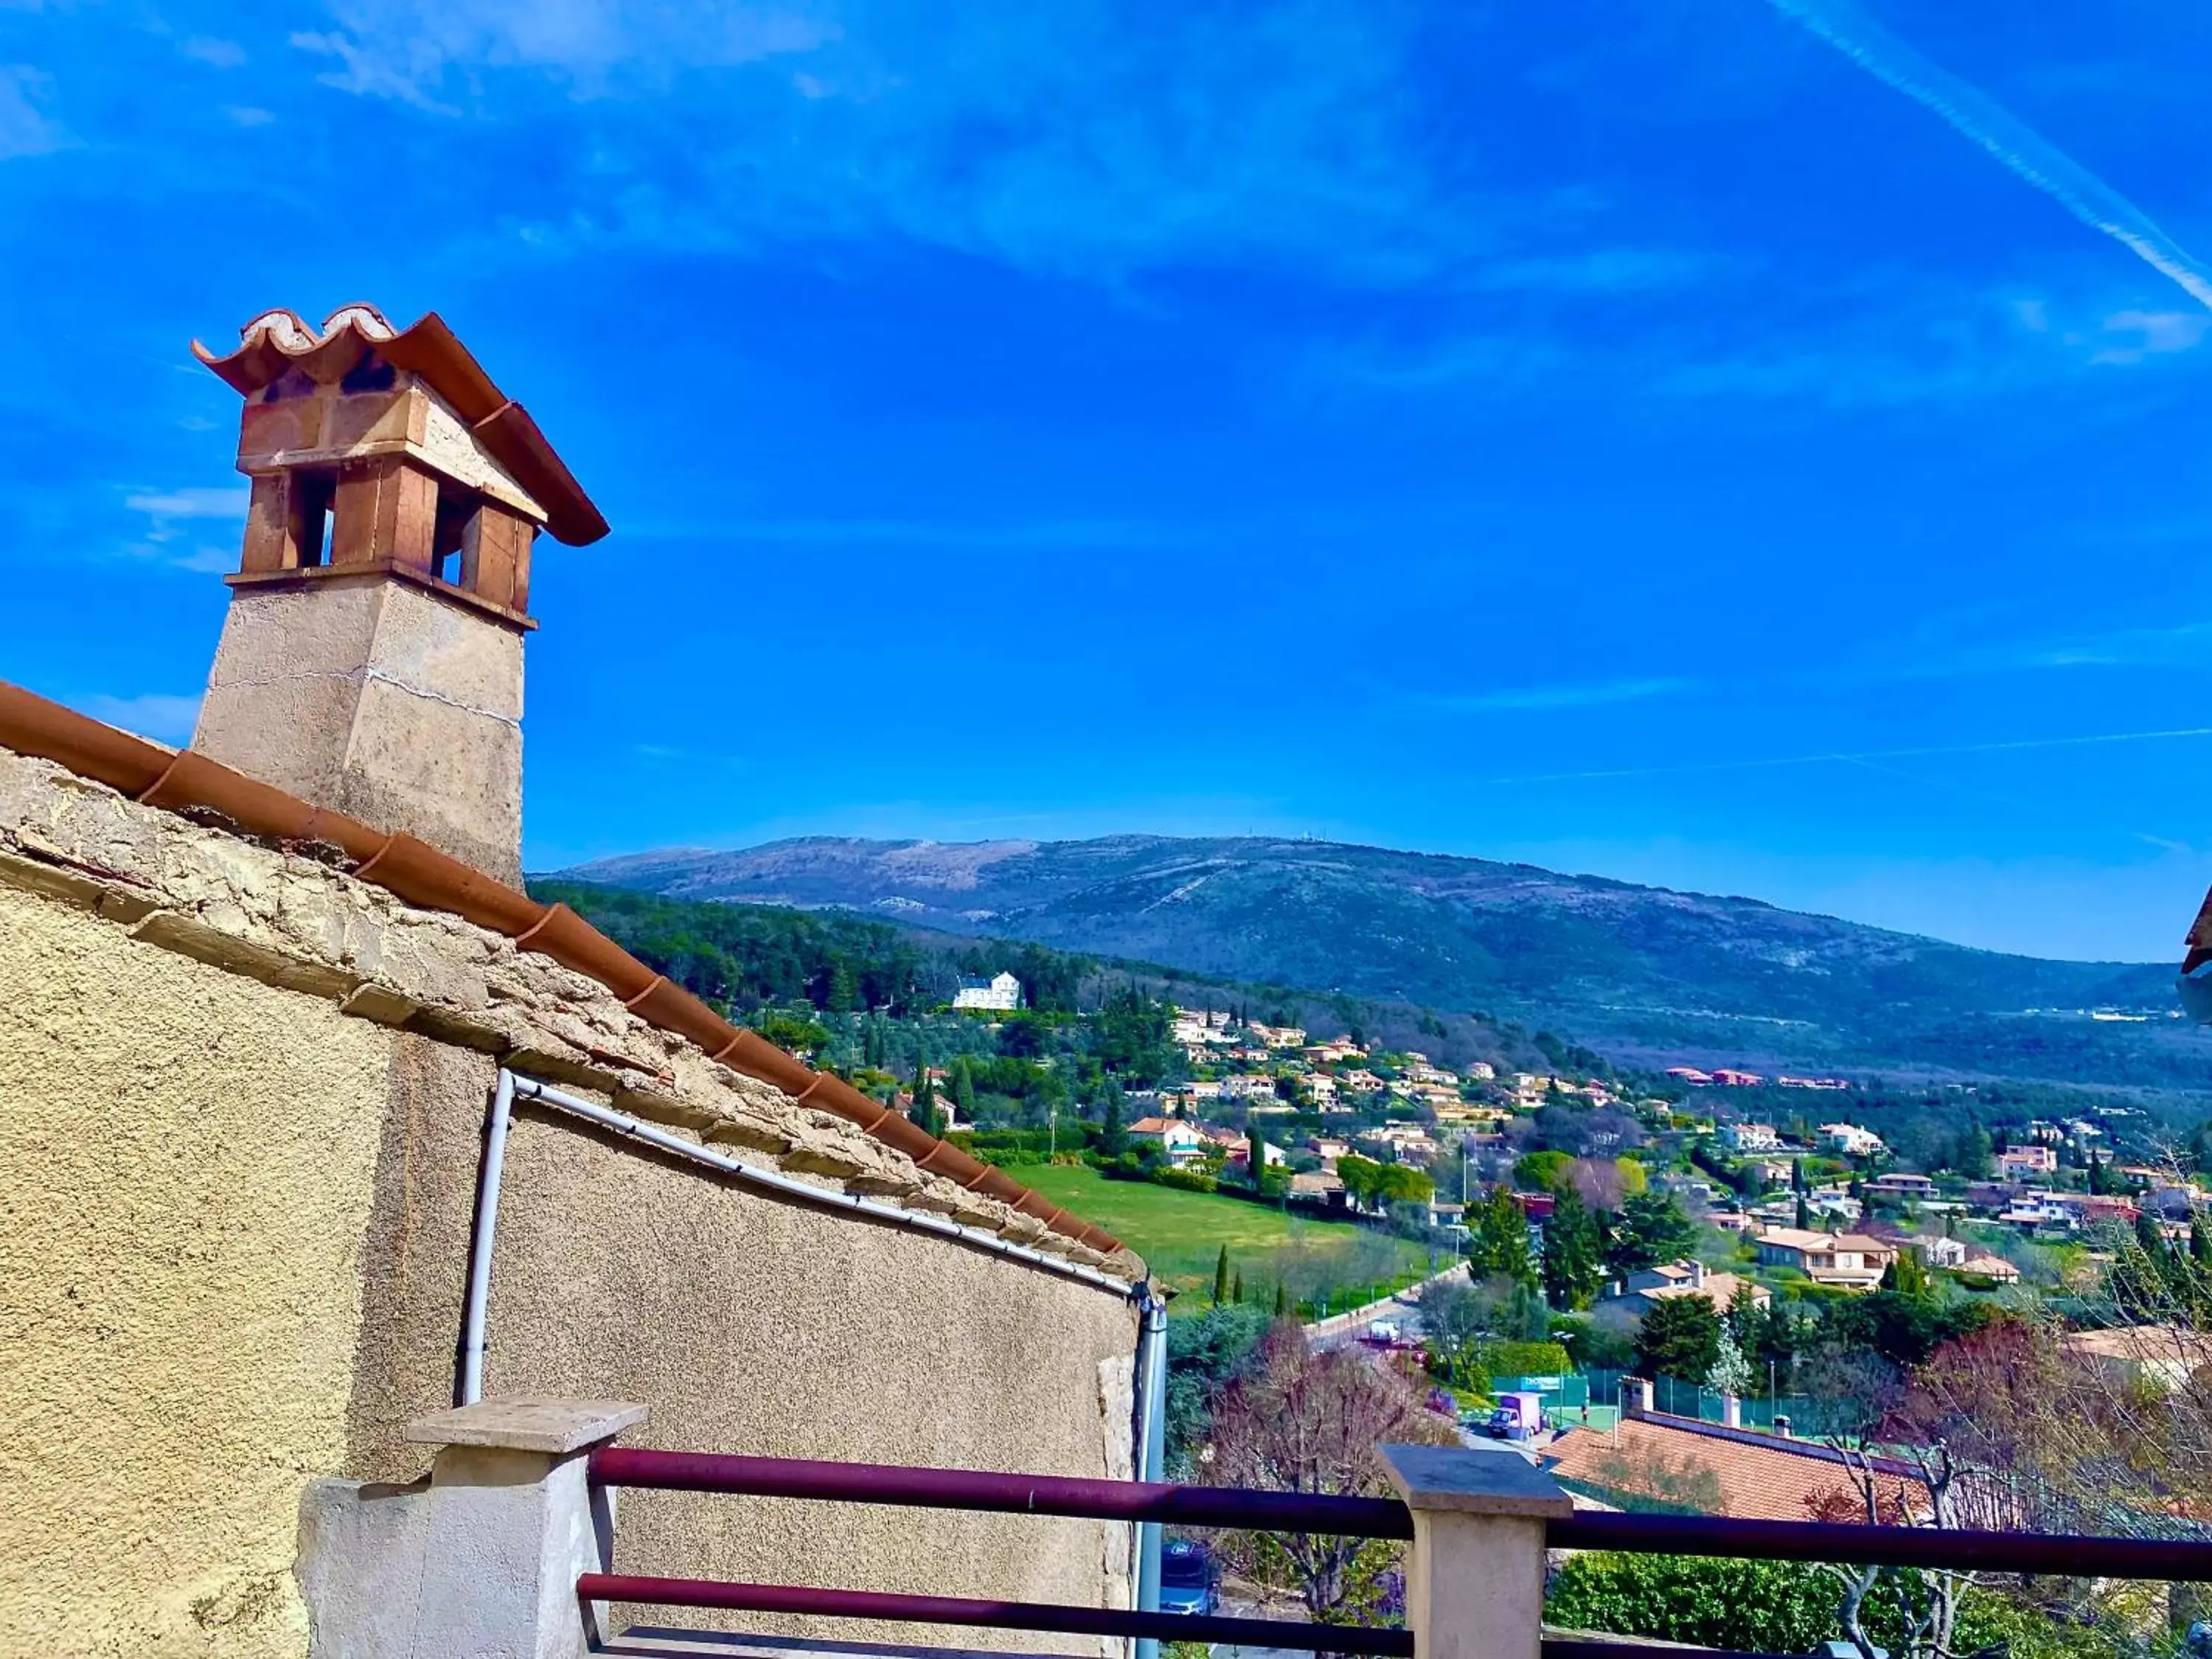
x,y
1729,1472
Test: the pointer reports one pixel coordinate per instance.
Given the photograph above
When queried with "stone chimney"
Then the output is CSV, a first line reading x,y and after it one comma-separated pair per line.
x,y
371,659
1697,1273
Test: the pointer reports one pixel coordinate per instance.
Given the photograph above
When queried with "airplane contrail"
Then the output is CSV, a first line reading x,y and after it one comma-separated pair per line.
x,y
1975,115
1858,757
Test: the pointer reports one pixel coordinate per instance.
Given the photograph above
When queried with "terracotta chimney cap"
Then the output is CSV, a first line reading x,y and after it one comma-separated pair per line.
x,y
278,343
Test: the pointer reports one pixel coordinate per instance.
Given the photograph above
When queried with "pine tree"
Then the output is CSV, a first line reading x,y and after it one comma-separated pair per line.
x,y
1497,1242
1221,1277
844,989
1574,1254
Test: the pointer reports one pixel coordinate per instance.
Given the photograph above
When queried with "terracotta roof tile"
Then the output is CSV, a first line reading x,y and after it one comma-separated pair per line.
x,y
278,341
1714,1470
431,880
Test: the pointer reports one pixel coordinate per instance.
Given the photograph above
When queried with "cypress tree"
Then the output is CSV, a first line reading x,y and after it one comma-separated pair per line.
x,y
1221,1277
1282,1300
924,1114
1236,1288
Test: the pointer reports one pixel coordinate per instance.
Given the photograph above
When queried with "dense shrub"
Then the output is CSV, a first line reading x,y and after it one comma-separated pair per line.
x,y
1525,1358
1758,1606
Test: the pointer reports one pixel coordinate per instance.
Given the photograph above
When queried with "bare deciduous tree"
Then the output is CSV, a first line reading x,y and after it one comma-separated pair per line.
x,y
1307,1422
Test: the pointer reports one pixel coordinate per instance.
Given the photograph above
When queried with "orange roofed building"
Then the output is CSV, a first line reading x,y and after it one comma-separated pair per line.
x,y
1720,1471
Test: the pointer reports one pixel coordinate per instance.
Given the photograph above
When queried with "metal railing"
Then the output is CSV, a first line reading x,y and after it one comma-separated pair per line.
x,y
1160,1502
2164,1560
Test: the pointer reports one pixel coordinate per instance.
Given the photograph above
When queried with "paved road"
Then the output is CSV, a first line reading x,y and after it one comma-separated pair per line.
x,y
1398,1310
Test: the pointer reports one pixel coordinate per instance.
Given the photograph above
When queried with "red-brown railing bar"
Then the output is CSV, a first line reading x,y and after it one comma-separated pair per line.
x,y
994,1615
1018,1494
2062,1554
1572,1647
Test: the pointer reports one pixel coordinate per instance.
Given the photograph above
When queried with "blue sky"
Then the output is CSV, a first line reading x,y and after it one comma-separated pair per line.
x,y
1751,445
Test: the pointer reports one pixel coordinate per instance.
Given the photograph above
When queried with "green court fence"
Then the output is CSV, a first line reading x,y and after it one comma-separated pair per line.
x,y
1678,1398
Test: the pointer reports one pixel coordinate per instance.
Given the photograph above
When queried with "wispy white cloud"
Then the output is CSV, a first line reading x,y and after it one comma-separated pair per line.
x,y
1586,695
198,501
23,130
1092,142
211,50
1064,534
178,522
1600,270
153,715
1674,768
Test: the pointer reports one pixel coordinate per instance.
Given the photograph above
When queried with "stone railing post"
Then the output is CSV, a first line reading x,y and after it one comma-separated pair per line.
x,y
513,1521
1474,1578
483,1563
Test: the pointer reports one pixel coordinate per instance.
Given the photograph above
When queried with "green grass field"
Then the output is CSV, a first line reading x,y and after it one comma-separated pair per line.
x,y
1180,1234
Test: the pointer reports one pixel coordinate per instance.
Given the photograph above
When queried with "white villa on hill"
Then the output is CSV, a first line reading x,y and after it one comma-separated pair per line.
x,y
1001,993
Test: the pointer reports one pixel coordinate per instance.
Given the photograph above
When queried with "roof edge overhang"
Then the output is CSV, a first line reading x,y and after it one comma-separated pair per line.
x,y
183,780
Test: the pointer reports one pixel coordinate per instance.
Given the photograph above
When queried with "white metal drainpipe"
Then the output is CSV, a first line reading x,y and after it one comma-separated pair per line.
x,y
512,1086
1153,1363
479,1299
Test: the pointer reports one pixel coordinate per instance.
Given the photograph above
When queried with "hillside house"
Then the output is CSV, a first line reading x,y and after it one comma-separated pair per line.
x,y
1936,1251
1751,1137
1000,993
336,1125
1851,1140
1179,1142
1994,1267
1850,1260
2026,1163
1641,1292
1901,1183
1728,1078
1318,1184
1278,1036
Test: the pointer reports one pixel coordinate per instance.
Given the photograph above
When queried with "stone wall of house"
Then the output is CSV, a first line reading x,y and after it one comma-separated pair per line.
x,y
248,1090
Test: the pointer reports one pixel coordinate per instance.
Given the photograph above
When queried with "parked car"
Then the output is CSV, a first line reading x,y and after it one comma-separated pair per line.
x,y
1187,1581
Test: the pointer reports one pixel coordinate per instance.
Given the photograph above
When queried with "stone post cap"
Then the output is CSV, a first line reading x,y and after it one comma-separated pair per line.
x,y
1463,1482
528,1423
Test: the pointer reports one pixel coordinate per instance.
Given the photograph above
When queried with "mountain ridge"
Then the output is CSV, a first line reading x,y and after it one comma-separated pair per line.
x,y
1647,968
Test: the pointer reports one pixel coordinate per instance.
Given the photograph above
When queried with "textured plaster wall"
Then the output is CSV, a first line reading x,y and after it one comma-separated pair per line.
x,y
183,1203
751,1324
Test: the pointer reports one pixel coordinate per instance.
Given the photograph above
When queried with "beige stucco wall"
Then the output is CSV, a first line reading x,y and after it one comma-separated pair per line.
x,y
751,1324
183,1197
